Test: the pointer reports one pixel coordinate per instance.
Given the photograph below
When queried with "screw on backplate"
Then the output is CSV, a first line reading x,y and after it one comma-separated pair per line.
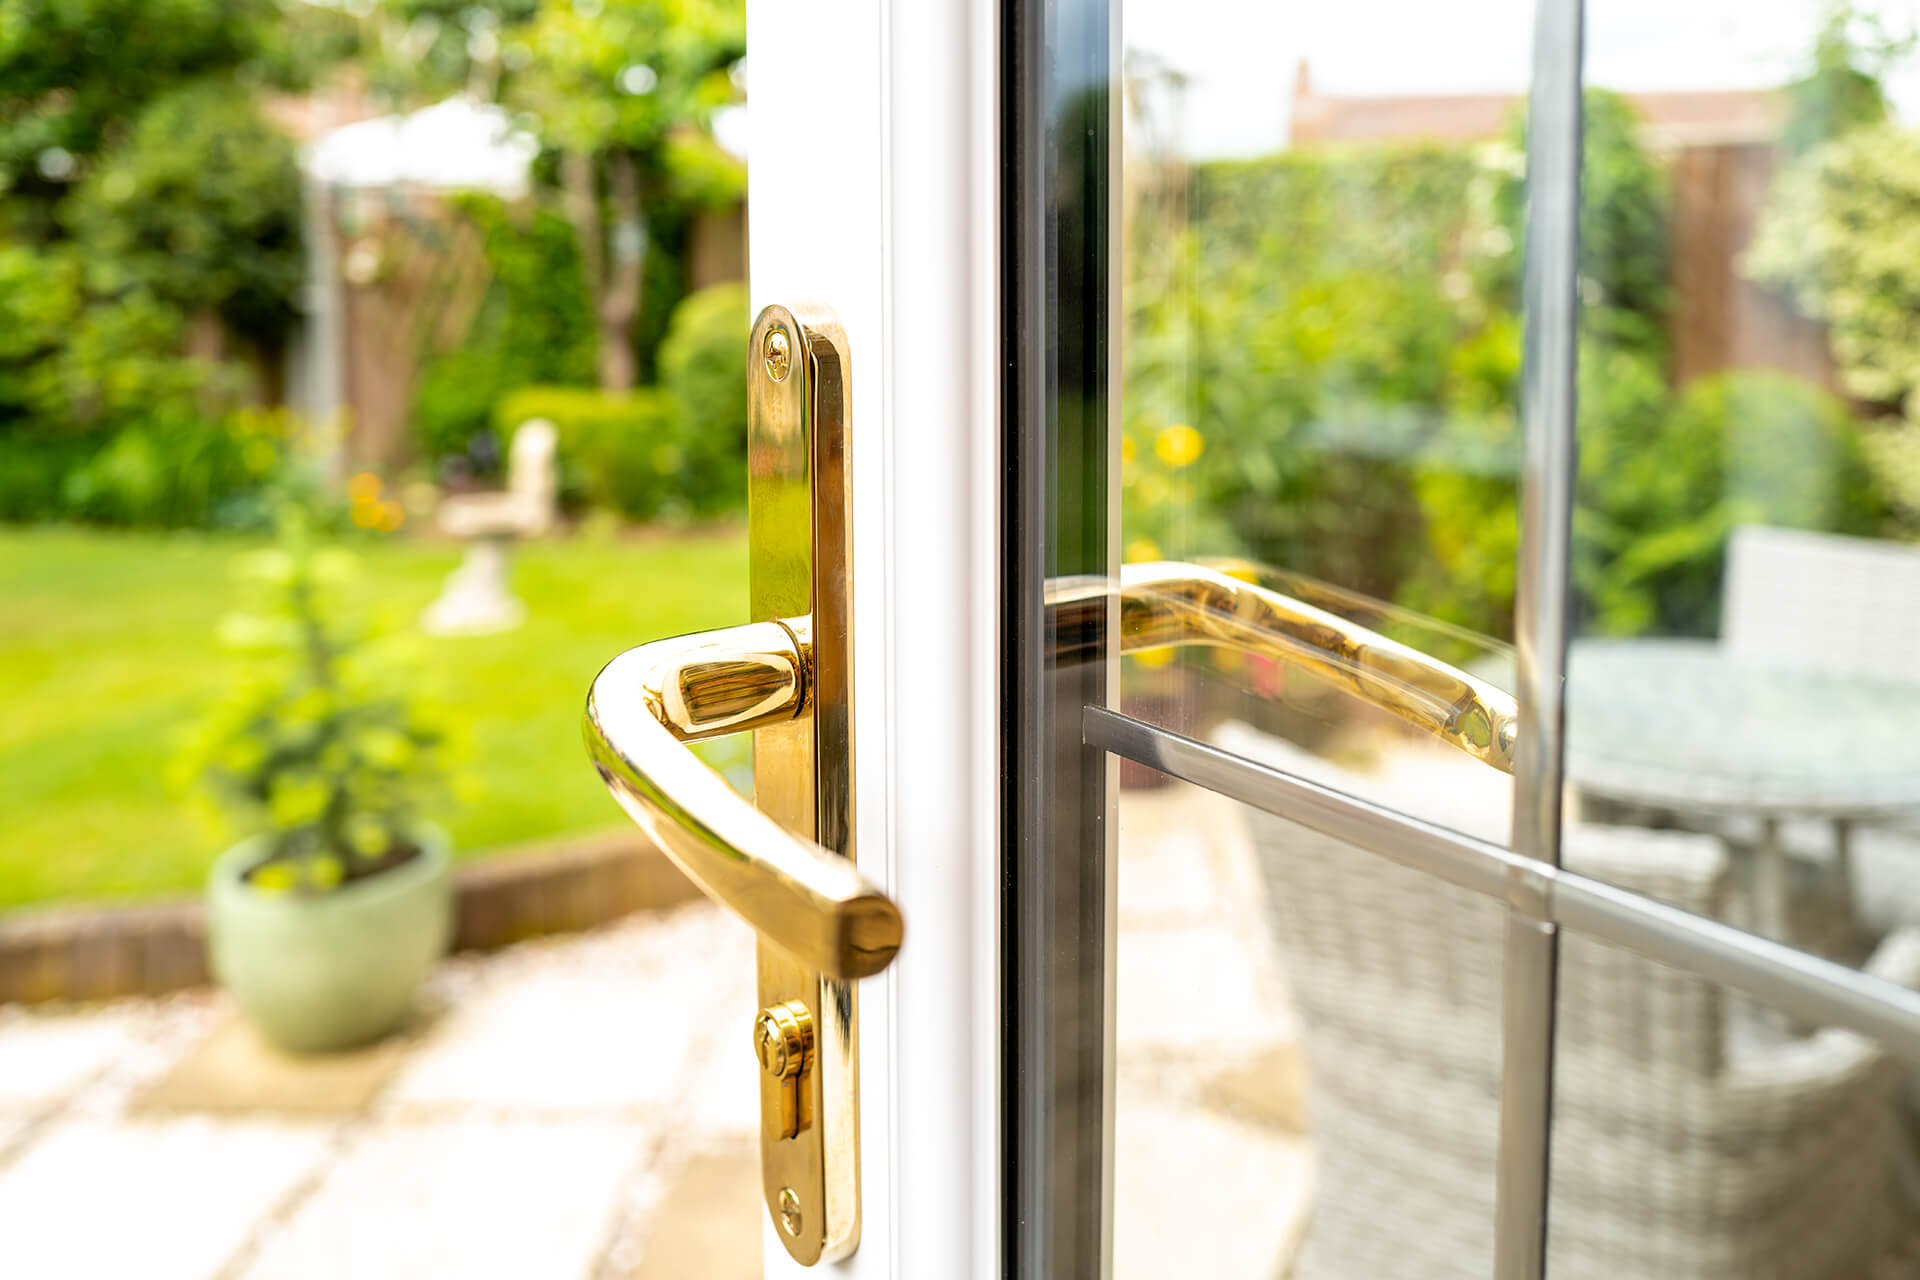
x,y
790,1211
779,357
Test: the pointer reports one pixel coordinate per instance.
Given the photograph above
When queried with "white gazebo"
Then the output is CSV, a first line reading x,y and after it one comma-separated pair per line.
x,y
456,145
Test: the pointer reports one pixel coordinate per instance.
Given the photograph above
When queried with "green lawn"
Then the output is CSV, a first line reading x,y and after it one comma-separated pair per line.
x,y
106,653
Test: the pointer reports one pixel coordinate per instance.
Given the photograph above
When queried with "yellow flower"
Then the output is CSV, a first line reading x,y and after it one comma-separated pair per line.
x,y
364,487
1126,449
366,515
1177,445
1141,551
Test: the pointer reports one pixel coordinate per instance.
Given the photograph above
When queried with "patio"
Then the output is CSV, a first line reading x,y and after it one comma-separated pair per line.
x,y
581,1106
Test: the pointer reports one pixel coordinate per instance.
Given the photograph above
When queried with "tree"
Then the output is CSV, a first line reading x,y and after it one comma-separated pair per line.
x,y
1841,88
73,73
624,92
147,213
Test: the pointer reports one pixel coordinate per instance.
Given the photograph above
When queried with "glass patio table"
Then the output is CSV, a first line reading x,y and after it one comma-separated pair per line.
x,y
1680,727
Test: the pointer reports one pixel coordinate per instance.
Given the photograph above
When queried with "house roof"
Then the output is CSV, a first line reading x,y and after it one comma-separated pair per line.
x,y
1671,119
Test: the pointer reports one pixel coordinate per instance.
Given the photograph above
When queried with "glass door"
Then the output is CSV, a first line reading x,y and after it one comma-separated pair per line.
x,y
1460,591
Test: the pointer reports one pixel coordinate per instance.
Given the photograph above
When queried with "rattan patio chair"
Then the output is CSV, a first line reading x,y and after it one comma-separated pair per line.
x,y
1681,1148
1848,606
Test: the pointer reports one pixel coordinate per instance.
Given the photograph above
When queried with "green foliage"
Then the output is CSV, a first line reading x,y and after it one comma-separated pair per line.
x,y
1625,211
423,50
145,207
200,207
1291,338
1841,230
324,749
627,74
534,327
701,367
632,452
93,711
622,94
1324,359
1841,233
1663,485
1841,88
72,72
178,474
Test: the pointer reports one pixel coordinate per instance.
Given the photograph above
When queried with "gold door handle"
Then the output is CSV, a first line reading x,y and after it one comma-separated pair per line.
x,y
1166,604
646,704
784,863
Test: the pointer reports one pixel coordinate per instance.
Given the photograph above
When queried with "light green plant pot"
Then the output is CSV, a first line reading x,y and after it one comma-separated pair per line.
x,y
324,973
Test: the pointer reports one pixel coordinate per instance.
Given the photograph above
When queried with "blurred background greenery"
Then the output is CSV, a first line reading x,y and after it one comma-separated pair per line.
x,y
175,260
106,642
1325,361
1324,353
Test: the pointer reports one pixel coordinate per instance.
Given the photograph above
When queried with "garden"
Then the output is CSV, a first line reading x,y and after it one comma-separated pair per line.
x,y
1323,368
1325,351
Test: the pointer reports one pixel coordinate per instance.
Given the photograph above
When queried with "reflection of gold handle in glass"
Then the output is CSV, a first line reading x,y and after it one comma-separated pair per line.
x,y
813,904
810,903
1168,604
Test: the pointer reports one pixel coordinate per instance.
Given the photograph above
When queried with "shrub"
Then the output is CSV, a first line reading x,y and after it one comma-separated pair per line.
x,y
323,748
1838,232
183,473
171,472
702,365
1626,204
533,328
631,452
1663,483
31,476
200,205
1290,344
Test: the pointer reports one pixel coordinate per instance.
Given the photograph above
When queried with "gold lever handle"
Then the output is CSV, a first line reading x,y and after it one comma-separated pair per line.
x,y
649,701
1167,603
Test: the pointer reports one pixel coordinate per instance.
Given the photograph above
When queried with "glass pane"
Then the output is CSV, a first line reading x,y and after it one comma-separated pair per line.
x,y
1309,1052
1321,349
1699,1133
1746,578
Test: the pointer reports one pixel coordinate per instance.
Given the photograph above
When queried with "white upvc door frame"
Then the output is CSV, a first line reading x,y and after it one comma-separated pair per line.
x,y
873,182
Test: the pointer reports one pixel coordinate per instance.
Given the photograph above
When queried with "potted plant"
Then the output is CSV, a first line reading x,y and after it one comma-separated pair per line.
x,y
325,918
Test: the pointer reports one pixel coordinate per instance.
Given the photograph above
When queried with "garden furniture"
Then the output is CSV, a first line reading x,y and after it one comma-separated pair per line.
x,y
477,598
1686,1144
1687,730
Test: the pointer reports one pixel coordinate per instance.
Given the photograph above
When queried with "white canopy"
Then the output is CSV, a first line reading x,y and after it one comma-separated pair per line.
x,y
456,145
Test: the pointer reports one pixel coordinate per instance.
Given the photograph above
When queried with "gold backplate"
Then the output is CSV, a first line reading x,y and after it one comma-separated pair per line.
x,y
798,507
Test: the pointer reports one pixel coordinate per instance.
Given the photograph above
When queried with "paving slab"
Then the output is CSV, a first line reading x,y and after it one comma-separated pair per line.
x,y
517,1200
723,1077
161,1200
1199,1195
13,1128
708,1223
1212,1172
45,1057
233,1071
606,1026
1196,967
1195,989
1170,856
